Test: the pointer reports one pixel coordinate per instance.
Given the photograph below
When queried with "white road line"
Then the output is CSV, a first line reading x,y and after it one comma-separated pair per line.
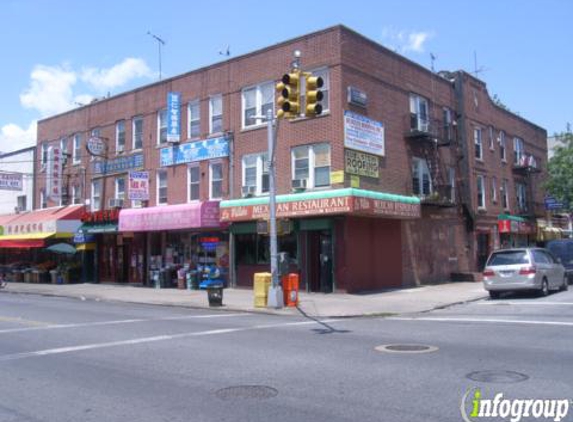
x,y
525,303
61,350
486,321
122,321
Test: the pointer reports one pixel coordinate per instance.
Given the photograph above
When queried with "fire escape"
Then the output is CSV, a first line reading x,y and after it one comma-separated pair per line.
x,y
526,168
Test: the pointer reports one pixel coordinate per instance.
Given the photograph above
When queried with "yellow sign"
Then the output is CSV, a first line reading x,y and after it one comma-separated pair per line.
x,y
354,181
337,176
361,164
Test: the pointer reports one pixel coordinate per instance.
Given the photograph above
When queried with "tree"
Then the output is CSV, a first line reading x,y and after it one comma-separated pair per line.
x,y
560,170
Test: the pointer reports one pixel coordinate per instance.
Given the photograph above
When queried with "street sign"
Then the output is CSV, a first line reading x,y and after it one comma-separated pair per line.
x,y
552,204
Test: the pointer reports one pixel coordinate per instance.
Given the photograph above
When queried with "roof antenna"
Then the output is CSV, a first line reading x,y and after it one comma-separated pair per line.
x,y
160,42
433,59
477,70
226,52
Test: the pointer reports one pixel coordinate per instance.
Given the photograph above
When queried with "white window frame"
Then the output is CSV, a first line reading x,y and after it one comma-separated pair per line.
x,y
494,189
120,193
43,199
448,126
211,180
134,121
518,150
417,105
521,196
44,155
312,167
162,127
478,142
420,169
96,190
324,73
119,148
189,182
193,117
64,146
76,195
504,194
260,160
259,91
480,190
491,141
158,182
212,116
502,147
77,152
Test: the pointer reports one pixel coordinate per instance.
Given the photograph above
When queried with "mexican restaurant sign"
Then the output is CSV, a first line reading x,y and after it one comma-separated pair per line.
x,y
342,201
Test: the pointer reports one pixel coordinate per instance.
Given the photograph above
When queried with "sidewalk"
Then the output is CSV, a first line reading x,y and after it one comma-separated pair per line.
x,y
404,301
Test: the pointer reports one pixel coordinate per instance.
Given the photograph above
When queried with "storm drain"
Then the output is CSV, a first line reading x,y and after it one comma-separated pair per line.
x,y
406,348
242,392
502,377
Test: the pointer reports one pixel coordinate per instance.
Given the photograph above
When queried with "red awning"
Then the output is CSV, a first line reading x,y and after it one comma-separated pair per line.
x,y
22,244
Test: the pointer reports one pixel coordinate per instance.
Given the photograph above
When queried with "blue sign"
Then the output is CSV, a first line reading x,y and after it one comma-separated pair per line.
x,y
173,117
194,151
119,165
81,237
553,204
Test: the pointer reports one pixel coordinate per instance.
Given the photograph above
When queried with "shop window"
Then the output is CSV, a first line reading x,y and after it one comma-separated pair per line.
x,y
256,101
137,132
161,127
216,114
256,173
421,180
161,187
120,136
194,181
325,75
77,153
419,113
254,249
312,163
194,119
216,180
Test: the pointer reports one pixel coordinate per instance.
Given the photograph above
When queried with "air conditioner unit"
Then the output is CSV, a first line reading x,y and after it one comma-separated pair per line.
x,y
299,183
115,203
248,191
18,210
120,149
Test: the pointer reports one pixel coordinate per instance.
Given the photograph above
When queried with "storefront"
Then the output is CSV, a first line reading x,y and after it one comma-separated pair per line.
x,y
316,229
167,238
515,232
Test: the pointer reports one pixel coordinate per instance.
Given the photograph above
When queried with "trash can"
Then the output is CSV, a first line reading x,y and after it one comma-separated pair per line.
x,y
215,294
290,284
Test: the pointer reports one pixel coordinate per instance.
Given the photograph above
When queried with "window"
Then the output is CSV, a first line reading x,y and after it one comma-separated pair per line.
x,y
312,162
494,190
120,136
325,75
478,144
256,172
43,199
216,180
44,158
421,180
193,180
96,195
120,188
257,100
77,153
137,132
502,146
216,114
452,182
194,119
76,195
503,194
419,113
517,151
521,192
64,146
448,128
161,127
481,191
22,200
161,187
490,135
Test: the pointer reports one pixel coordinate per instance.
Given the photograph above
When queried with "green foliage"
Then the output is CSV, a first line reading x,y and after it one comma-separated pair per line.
x,y
560,169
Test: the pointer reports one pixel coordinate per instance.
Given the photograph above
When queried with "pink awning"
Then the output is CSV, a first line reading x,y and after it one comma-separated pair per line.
x,y
170,217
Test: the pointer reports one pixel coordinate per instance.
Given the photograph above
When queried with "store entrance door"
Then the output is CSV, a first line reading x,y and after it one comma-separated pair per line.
x,y
482,250
320,261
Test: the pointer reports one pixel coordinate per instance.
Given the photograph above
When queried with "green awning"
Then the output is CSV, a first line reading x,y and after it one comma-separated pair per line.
x,y
512,218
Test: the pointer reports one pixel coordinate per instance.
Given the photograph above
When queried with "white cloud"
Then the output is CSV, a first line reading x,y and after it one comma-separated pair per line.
x,y
50,90
118,75
416,41
406,41
13,137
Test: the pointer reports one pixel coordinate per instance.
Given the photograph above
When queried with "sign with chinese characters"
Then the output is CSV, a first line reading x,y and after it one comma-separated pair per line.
x,y
118,165
363,134
173,117
11,181
361,164
138,185
54,166
194,151
101,216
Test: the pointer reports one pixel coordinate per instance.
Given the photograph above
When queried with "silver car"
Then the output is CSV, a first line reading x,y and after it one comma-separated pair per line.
x,y
523,269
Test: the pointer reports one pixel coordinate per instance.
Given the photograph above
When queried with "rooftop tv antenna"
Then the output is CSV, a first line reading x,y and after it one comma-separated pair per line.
x,y
226,52
433,59
160,42
477,70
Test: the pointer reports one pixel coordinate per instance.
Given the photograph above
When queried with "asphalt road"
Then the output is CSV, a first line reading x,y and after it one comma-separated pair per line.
x,y
71,360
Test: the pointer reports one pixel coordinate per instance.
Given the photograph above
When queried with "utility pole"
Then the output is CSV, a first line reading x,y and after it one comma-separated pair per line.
x,y
160,42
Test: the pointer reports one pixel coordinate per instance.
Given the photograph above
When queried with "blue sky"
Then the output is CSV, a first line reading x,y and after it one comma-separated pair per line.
x,y
61,52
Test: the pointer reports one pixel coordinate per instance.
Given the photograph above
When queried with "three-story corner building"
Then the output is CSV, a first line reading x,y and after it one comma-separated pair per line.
x,y
407,176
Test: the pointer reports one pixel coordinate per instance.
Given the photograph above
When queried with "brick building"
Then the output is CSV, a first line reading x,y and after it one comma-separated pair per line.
x,y
408,176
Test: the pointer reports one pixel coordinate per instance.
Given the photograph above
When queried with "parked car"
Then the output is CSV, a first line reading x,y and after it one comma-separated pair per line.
x,y
536,269
563,249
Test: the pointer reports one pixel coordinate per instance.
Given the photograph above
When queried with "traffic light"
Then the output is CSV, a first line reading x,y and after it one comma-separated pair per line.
x,y
313,95
289,95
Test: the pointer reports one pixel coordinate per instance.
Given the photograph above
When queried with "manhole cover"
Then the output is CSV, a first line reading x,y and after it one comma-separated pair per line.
x,y
247,392
502,377
406,348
